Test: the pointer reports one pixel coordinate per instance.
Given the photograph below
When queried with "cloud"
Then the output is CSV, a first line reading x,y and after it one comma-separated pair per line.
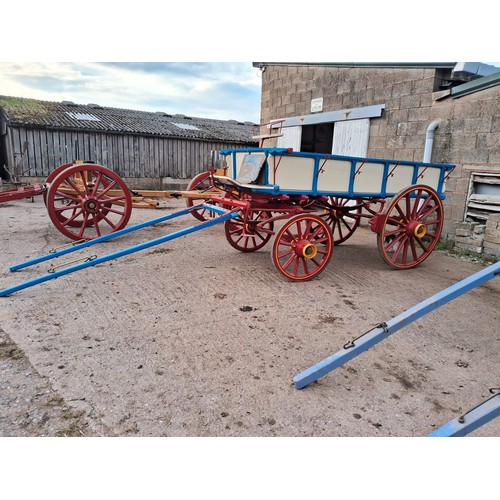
x,y
204,89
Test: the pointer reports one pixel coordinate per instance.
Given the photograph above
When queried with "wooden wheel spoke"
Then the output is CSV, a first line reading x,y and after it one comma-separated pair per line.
x,y
421,243
416,204
420,208
73,184
423,215
251,233
401,212
67,196
105,191
83,225
98,181
393,242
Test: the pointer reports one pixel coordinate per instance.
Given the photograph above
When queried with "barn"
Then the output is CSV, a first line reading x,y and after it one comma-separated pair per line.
x,y
149,150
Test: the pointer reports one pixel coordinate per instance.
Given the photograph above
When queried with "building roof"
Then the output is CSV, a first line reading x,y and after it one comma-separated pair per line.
x,y
67,115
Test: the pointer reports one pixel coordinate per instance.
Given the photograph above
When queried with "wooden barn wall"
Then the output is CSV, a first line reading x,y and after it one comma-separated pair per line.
x,y
127,155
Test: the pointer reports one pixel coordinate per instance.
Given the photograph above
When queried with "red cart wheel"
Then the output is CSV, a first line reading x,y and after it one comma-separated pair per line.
x,y
200,182
52,176
71,218
251,235
86,201
410,227
302,247
343,215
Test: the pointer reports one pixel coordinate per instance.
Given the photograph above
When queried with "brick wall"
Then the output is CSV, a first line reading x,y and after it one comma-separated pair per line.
x,y
469,135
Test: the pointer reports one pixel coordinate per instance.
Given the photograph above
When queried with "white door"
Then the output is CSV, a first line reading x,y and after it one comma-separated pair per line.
x,y
350,137
291,138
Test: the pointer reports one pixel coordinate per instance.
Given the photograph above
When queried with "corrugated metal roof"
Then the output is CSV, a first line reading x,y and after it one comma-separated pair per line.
x,y
92,117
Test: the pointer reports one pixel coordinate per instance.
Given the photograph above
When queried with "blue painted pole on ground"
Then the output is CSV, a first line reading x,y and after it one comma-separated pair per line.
x,y
384,330
127,251
471,420
79,245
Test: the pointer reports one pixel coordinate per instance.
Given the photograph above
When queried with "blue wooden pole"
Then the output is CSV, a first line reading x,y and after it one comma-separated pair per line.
x,y
470,421
79,245
382,331
127,251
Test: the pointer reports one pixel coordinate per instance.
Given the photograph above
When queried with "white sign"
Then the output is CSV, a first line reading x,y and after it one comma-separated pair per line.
x,y
317,105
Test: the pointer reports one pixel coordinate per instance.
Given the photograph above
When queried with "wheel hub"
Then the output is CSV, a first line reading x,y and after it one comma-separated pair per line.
x,y
417,229
91,205
306,249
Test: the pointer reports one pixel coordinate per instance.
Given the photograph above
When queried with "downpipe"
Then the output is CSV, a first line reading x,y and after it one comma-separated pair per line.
x,y
429,140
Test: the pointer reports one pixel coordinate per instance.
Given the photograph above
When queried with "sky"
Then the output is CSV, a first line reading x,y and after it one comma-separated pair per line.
x,y
220,90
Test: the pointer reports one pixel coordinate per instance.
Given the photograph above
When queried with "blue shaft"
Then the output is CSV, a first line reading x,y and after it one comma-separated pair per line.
x,y
482,414
127,251
379,333
105,237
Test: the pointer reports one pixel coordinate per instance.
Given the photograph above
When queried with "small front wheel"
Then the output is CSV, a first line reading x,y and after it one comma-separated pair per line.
x,y
302,247
251,234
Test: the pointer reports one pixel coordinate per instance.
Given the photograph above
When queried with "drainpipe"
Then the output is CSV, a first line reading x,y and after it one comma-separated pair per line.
x,y
429,140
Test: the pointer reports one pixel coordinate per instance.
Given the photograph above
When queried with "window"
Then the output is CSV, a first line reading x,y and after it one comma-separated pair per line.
x,y
484,196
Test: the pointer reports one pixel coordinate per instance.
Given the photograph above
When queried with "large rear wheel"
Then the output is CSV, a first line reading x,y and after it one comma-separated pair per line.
x,y
410,227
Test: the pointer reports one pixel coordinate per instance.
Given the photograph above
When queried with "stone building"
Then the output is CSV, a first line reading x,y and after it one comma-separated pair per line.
x,y
439,112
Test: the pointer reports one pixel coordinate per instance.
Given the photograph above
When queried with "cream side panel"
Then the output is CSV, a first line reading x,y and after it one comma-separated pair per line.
x,y
334,176
400,177
429,177
369,178
295,173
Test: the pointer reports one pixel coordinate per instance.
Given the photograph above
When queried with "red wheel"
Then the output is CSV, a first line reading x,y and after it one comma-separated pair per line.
x,y
52,176
71,218
201,183
86,201
410,227
251,235
343,215
302,247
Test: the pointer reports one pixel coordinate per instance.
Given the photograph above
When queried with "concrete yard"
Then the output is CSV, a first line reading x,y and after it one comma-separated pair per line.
x,y
193,338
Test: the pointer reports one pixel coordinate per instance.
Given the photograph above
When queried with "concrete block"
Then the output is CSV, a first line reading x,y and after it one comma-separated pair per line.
x,y
493,237
468,248
468,241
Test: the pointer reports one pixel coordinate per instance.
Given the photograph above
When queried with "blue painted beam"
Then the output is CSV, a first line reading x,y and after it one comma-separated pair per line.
x,y
127,251
472,420
80,245
384,330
